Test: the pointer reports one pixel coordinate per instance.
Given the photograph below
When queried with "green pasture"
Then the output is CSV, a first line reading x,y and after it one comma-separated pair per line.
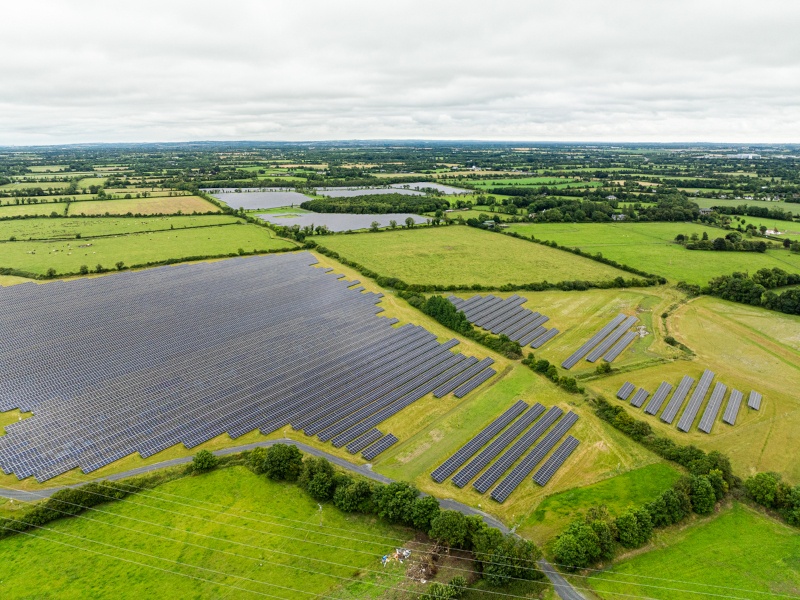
x,y
792,207
68,256
464,255
738,553
24,229
27,185
24,210
524,181
650,247
632,488
201,537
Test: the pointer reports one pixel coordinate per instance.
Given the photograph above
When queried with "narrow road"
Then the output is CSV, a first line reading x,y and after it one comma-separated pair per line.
x,y
561,586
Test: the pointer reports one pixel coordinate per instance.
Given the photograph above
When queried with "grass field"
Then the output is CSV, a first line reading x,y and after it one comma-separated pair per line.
x,y
43,208
68,256
748,348
524,181
89,227
163,205
736,554
650,247
633,488
791,207
464,255
229,527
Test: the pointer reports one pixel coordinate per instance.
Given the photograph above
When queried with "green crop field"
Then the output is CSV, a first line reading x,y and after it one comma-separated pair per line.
x,y
24,229
736,554
42,208
68,256
163,205
617,493
464,255
650,247
228,527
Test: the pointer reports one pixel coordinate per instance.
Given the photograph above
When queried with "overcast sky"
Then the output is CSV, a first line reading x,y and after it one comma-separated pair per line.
x,y
80,71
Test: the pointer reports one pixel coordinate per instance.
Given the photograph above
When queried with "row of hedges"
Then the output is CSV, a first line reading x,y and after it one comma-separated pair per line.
x,y
544,367
755,289
500,558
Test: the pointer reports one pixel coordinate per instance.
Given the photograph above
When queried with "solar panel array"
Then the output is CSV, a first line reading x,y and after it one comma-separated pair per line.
x,y
140,361
506,317
534,457
732,409
488,454
712,408
754,401
626,390
639,398
658,398
693,406
468,450
606,337
552,464
382,444
675,403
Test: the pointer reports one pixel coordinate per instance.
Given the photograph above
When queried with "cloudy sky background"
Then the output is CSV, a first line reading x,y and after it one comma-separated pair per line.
x,y
80,71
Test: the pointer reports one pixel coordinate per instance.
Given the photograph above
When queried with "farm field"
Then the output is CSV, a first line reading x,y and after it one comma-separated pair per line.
x,y
162,205
524,181
619,492
737,553
262,540
42,208
103,226
791,207
132,249
748,348
464,255
650,247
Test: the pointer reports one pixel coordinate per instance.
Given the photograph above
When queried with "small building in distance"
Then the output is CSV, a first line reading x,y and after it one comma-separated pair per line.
x,y
706,211
611,197
618,217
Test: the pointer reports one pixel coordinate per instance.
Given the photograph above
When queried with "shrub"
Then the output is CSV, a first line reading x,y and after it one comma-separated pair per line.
x,y
282,462
702,494
355,497
423,511
450,528
394,501
204,461
317,477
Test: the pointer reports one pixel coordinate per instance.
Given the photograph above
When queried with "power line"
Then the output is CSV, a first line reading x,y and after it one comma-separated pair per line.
x,y
431,546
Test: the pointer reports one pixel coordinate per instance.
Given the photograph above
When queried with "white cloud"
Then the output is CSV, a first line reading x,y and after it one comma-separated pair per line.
x,y
84,71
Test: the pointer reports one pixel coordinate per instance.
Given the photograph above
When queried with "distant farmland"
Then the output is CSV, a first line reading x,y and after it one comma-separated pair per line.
x,y
465,255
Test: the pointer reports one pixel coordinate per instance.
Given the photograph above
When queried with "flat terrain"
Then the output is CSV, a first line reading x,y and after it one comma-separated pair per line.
x,y
42,208
650,247
228,527
164,205
68,256
464,255
748,348
41,229
736,554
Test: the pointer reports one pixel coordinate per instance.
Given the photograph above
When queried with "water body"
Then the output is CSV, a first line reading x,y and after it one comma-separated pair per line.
x,y
256,200
344,192
422,185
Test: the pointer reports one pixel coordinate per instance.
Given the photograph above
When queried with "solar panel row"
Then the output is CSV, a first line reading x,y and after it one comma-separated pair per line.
x,y
505,317
693,406
732,409
675,403
639,397
468,450
382,444
754,401
626,390
658,398
712,408
612,339
617,348
142,360
552,464
592,342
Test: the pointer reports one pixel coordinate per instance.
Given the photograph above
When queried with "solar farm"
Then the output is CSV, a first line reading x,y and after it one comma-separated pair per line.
x,y
688,418
607,343
507,317
519,431
183,354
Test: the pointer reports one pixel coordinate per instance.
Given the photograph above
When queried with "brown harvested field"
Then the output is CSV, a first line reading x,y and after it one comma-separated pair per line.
x,y
145,206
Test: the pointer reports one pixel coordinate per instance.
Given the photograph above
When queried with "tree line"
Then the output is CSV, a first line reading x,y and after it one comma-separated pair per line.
x,y
378,204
